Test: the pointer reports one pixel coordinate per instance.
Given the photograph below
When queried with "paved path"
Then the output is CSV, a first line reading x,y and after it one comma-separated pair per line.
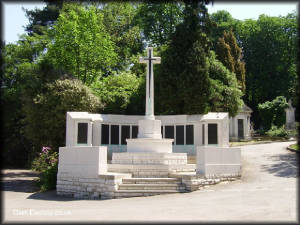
x,y
266,192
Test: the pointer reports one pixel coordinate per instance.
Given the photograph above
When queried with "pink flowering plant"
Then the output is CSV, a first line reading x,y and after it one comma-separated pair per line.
x,y
46,163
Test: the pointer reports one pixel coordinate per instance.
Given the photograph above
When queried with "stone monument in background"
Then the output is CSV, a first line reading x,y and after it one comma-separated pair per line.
x,y
290,116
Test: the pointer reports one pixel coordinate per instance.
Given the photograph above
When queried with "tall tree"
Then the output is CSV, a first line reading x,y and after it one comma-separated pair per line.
x,y
230,54
226,95
81,44
182,81
159,20
223,21
25,72
40,19
270,48
119,22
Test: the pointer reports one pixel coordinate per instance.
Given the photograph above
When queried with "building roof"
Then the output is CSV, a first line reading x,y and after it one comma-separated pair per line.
x,y
245,108
214,116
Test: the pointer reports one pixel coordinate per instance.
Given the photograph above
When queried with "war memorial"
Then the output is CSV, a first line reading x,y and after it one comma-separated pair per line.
x,y
116,156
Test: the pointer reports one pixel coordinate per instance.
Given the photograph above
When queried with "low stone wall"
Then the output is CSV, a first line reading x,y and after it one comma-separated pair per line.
x,y
102,187
82,171
195,182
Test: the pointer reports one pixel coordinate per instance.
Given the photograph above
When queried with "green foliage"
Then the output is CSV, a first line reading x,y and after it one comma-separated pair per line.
x,y
277,131
270,49
81,44
223,21
46,112
229,53
273,113
116,91
182,81
190,79
226,96
46,163
295,147
119,22
41,18
158,21
25,70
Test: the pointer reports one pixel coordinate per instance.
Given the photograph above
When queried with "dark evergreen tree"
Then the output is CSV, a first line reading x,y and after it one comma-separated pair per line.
x,y
182,81
230,54
39,19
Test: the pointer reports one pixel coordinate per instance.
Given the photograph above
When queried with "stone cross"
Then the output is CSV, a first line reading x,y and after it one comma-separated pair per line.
x,y
150,60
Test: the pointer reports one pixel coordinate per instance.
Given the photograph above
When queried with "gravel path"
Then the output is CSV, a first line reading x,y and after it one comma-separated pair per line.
x,y
267,192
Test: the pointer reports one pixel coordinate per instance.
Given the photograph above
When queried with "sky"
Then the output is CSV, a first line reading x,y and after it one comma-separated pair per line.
x,y
15,20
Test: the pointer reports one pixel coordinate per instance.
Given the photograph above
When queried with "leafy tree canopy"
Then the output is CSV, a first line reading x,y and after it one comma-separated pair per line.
x,y
159,20
46,112
116,91
81,43
119,22
270,49
226,95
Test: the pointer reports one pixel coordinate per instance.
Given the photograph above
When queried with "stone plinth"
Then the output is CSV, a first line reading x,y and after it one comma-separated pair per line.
x,y
217,161
149,145
149,129
81,161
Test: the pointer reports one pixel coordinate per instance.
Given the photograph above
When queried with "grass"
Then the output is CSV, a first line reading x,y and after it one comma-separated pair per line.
x,y
258,140
294,147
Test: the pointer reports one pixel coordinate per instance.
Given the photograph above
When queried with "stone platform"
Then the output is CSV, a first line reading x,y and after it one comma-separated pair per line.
x,y
149,145
149,164
149,158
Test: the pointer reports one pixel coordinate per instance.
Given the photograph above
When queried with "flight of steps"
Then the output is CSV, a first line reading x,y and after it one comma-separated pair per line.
x,y
135,187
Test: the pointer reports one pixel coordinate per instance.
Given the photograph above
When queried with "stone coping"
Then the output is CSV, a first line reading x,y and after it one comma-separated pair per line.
x,y
159,154
147,155
186,175
151,140
113,175
149,166
194,175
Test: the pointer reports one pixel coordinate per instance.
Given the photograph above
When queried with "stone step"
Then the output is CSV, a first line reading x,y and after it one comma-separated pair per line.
x,y
138,187
139,193
151,181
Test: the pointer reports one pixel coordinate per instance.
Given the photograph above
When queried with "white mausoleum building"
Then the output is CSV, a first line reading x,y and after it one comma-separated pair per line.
x,y
240,125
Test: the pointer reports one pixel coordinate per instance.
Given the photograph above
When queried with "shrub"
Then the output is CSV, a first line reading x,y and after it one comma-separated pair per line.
x,y
277,131
273,112
46,164
117,91
45,121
